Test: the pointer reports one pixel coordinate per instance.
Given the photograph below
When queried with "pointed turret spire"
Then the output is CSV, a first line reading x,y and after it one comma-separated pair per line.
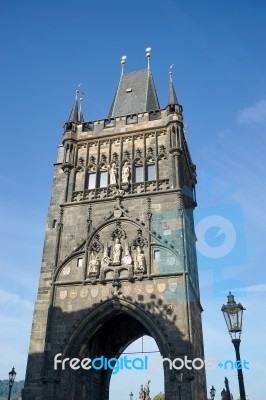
x,y
80,114
172,99
74,115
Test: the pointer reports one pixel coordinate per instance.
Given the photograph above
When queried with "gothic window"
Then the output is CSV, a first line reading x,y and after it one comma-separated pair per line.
x,y
138,173
151,172
91,180
103,178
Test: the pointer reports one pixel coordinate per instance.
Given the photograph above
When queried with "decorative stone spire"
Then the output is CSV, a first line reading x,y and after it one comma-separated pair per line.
x,y
172,99
74,115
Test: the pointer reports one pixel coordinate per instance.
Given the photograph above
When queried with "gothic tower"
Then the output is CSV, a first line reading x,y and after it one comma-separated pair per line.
x,y
119,258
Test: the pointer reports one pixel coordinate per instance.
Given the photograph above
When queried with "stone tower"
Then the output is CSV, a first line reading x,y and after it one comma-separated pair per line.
x,y
119,258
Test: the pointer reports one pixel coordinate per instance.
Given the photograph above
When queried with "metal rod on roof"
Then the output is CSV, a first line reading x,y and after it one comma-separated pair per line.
x,y
148,55
123,63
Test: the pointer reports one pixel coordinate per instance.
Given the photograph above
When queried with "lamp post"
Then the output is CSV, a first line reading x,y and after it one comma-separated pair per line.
x,y
233,314
180,381
212,392
11,378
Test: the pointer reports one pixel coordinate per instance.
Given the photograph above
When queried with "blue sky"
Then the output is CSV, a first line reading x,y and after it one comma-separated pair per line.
x,y
218,52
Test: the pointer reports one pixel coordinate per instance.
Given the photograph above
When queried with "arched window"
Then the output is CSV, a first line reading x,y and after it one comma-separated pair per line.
x,y
91,177
138,173
103,179
102,174
150,172
91,180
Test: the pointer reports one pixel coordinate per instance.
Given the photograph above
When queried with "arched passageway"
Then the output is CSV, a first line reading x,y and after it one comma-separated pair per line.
x,y
105,334
130,381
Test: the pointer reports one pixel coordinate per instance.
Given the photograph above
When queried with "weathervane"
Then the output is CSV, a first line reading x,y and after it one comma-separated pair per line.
x,y
171,73
148,55
123,62
77,91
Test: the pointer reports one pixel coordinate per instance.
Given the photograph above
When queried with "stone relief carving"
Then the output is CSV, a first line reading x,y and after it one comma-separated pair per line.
x,y
94,264
118,232
118,192
95,244
105,262
139,240
122,257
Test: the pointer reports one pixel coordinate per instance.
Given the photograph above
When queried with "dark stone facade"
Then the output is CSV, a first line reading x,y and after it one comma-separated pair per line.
x,y
119,256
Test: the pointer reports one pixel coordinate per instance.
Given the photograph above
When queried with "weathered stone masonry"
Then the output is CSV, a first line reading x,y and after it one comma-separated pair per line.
x,y
119,255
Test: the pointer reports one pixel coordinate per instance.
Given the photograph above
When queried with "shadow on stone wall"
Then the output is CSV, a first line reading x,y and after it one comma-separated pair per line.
x,y
107,329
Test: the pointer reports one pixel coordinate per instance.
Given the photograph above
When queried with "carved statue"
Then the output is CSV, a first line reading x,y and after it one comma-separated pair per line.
x,y
227,390
139,260
223,395
147,391
105,250
127,253
117,248
106,259
113,174
94,263
141,393
127,259
125,172
144,393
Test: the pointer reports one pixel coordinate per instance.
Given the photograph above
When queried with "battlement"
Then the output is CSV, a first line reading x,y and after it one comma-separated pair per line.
x,y
124,124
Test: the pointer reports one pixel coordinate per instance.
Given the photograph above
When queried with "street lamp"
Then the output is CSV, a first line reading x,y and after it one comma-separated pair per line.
x,y
212,392
11,378
180,381
233,314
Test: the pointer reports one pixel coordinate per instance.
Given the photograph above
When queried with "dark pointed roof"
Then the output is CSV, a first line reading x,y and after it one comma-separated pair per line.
x,y
135,94
172,99
74,115
81,118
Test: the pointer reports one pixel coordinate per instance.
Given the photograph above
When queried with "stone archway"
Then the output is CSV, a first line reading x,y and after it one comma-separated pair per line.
x,y
106,332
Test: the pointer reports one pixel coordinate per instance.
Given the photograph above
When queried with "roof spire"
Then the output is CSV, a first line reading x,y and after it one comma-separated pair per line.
x,y
148,55
74,117
172,99
81,119
123,63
